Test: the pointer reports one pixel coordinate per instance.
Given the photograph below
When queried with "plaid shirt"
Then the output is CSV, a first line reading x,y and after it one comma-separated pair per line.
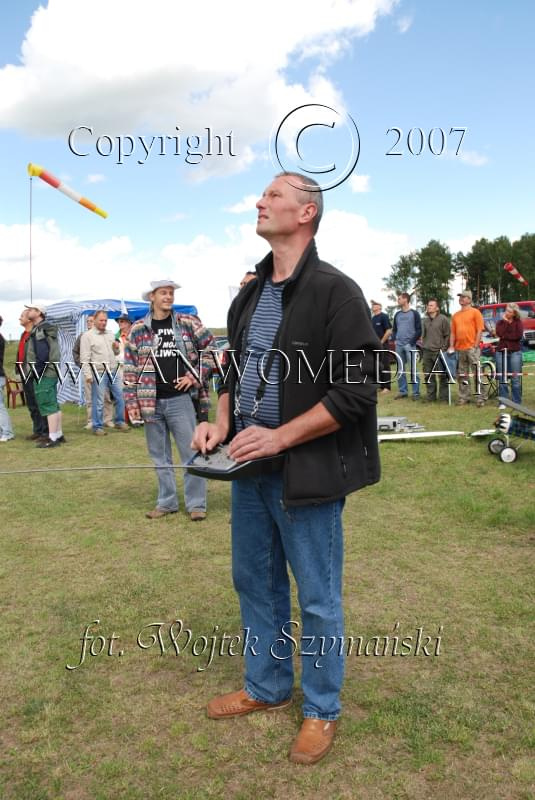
x,y
140,368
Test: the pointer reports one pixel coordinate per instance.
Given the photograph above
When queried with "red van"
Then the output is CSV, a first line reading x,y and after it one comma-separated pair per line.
x,y
495,311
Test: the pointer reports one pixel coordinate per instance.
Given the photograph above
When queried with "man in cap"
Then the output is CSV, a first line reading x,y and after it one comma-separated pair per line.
x,y
43,350
125,323
39,423
467,325
166,380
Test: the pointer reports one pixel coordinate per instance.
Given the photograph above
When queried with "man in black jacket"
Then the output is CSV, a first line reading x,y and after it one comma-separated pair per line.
x,y
304,344
39,423
43,353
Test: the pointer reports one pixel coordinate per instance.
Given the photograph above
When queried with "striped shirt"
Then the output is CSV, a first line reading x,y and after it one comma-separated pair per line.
x,y
263,328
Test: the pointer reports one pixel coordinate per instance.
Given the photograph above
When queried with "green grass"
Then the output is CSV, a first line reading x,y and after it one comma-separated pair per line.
x,y
446,539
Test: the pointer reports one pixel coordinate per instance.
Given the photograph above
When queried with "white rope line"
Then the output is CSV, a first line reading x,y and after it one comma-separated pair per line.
x,y
89,469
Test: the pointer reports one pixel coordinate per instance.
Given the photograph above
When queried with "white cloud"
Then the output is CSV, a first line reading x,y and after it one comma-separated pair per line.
x,y
96,178
366,254
359,183
473,158
232,77
345,240
404,23
204,268
247,204
109,268
464,243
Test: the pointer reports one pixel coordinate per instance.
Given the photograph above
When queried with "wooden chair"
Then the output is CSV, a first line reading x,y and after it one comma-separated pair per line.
x,y
14,389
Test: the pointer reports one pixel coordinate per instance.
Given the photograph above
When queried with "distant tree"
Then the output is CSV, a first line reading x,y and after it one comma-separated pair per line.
x,y
473,266
402,276
523,258
482,268
434,271
428,272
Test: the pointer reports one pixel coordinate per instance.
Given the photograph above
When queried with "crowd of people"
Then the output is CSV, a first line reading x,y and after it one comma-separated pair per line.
x,y
448,349
308,442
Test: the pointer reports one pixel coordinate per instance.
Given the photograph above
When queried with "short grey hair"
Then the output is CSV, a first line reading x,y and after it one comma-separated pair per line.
x,y
309,191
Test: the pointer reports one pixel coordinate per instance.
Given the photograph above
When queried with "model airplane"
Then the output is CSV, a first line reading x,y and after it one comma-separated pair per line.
x,y
512,426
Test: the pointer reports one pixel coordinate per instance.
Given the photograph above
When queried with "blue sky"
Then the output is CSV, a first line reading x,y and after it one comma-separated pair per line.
x,y
242,67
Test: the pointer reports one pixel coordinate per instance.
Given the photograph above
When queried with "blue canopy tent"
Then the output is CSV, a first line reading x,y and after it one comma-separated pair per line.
x,y
70,319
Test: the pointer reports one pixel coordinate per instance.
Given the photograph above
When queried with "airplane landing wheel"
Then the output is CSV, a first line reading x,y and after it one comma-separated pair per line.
x,y
496,446
508,455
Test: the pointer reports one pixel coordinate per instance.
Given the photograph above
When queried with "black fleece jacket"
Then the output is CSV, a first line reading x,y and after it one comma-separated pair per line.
x,y
325,320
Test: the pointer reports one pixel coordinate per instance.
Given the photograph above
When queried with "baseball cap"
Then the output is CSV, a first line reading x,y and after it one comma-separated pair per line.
x,y
466,293
40,309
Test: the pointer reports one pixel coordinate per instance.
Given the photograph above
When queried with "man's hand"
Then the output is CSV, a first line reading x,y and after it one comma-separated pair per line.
x,y
185,382
255,442
207,436
134,414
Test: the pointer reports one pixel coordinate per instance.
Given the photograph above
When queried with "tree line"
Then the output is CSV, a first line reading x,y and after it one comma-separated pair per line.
x,y
427,273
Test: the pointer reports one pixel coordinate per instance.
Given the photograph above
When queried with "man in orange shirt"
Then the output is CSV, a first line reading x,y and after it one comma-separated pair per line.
x,y
466,328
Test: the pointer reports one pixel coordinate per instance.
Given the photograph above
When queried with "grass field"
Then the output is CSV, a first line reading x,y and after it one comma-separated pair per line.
x,y
444,543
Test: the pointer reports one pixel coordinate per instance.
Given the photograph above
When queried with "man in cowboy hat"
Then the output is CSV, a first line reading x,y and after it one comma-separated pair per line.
x,y
166,374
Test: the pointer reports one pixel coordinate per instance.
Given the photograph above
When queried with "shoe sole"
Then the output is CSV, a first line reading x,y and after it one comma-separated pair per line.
x,y
276,707
160,516
302,758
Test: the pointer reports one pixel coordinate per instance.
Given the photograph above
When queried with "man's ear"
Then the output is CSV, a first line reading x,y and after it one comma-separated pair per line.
x,y
308,213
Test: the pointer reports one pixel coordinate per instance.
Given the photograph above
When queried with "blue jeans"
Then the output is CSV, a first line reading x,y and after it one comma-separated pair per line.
x,y
6,428
404,351
265,537
513,364
98,391
174,416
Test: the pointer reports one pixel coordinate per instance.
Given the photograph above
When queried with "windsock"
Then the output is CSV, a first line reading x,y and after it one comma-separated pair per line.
x,y
515,273
35,169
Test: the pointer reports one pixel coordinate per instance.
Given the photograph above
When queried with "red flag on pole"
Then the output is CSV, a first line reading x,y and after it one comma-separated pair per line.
x,y
515,273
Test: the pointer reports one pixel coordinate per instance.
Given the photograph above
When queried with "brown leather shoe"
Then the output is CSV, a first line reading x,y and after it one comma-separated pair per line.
x,y
313,741
159,512
235,704
197,516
